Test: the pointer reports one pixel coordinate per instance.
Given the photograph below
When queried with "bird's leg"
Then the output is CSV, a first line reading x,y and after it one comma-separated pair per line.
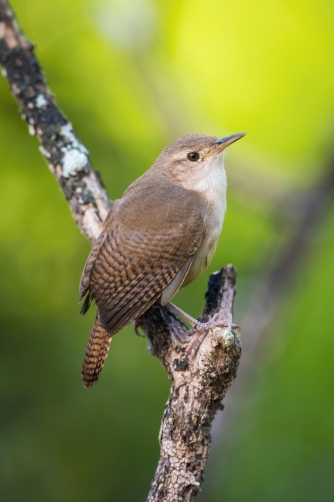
x,y
201,328
197,325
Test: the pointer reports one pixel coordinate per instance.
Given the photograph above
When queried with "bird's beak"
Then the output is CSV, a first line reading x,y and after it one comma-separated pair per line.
x,y
223,143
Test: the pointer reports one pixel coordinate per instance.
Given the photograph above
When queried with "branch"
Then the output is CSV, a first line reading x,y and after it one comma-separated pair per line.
x,y
200,381
65,154
197,391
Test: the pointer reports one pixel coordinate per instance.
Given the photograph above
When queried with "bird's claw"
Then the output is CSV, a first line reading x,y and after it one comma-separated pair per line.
x,y
201,330
136,326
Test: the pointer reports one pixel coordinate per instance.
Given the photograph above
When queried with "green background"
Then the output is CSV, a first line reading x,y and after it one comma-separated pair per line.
x,y
132,76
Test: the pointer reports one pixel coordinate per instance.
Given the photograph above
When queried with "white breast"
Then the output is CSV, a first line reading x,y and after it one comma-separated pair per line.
x,y
212,185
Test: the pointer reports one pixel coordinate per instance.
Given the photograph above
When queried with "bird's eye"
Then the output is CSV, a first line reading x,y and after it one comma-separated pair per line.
x,y
193,156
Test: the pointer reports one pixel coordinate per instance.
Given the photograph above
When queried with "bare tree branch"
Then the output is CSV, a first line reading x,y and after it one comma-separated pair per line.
x,y
197,391
200,381
65,154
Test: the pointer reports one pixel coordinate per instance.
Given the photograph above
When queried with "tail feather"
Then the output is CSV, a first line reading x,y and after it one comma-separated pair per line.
x,y
96,353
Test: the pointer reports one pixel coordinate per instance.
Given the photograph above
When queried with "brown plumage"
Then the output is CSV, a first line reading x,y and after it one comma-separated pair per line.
x,y
96,352
156,239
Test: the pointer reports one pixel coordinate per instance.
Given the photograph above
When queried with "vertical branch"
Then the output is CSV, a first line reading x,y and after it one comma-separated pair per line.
x,y
197,391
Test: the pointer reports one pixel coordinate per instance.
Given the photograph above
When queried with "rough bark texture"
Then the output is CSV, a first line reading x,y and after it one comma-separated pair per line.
x,y
65,154
199,385
200,381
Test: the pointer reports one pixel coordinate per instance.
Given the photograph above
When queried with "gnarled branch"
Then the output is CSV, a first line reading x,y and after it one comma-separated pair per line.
x,y
199,385
200,381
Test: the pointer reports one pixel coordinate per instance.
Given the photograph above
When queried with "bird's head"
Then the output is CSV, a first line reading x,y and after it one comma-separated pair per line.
x,y
194,160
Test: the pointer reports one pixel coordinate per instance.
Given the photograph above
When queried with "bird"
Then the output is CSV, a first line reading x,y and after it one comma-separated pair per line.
x,y
157,238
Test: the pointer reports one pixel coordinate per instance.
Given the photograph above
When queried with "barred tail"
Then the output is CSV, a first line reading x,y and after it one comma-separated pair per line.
x,y
96,353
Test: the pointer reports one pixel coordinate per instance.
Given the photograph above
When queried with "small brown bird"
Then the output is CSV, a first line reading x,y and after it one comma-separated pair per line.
x,y
156,239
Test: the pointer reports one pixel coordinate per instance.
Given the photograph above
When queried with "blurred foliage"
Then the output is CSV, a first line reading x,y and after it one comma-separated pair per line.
x,y
133,75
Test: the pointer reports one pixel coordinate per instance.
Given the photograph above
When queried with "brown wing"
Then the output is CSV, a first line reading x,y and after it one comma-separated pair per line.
x,y
148,240
128,277
143,254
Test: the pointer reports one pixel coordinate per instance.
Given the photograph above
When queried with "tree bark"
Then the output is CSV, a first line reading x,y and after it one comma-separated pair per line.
x,y
201,379
66,155
199,386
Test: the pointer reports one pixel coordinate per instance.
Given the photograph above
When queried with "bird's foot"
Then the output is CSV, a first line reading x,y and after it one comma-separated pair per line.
x,y
201,329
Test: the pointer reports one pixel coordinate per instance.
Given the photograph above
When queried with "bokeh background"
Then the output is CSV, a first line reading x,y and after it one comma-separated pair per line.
x,y
132,76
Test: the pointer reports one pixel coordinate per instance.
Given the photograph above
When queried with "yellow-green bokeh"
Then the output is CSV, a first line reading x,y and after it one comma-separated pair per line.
x,y
132,76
